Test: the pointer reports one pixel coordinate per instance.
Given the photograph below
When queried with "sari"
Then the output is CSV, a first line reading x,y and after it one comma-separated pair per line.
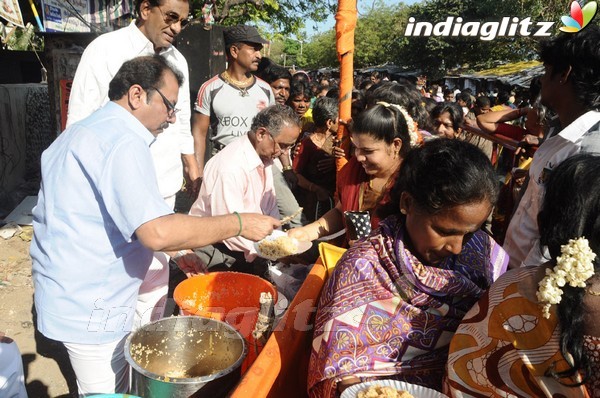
x,y
351,182
504,346
306,164
384,314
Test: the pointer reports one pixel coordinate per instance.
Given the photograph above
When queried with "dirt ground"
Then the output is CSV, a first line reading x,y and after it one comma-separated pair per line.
x,y
42,359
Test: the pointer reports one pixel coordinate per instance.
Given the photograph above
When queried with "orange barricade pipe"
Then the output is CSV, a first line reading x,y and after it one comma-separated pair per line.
x,y
281,368
344,31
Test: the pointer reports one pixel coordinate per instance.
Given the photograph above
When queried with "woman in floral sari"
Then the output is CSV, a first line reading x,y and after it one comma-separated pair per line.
x,y
507,345
396,297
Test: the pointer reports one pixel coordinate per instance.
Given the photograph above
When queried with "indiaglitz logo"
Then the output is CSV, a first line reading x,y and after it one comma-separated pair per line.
x,y
455,26
580,17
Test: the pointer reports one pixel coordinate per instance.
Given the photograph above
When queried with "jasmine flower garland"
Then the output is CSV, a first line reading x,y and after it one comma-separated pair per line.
x,y
413,127
575,266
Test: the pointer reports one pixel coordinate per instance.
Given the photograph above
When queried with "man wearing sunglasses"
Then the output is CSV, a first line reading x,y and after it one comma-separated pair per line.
x,y
99,218
157,24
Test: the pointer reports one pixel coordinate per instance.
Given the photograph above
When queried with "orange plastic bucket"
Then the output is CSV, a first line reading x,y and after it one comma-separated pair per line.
x,y
231,297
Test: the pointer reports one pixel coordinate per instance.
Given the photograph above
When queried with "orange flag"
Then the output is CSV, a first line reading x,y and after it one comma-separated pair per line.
x,y
344,31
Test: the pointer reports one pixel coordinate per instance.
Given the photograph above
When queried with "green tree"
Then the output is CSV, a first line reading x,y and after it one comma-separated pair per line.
x,y
320,51
374,37
436,55
380,36
283,16
23,39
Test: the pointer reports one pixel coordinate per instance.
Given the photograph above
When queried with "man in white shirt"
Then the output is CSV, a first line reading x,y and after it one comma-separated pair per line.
x,y
572,65
157,24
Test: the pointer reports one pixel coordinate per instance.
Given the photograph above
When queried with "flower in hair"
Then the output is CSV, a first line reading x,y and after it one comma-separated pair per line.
x,y
574,266
413,127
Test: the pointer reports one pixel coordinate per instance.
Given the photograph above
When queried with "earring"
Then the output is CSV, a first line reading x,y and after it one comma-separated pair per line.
x,y
403,211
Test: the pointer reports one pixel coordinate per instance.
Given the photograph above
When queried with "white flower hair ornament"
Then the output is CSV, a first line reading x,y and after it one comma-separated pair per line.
x,y
413,127
574,266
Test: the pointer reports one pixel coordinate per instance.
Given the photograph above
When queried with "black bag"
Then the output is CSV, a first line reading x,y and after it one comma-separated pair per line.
x,y
358,224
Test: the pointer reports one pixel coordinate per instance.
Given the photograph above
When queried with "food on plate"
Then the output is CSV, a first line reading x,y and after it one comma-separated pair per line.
x,y
376,391
278,247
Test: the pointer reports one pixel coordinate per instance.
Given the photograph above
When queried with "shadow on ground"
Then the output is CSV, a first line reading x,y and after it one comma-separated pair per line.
x,y
49,349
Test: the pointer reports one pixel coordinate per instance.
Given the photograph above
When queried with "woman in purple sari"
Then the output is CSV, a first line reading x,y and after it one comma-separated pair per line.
x,y
396,297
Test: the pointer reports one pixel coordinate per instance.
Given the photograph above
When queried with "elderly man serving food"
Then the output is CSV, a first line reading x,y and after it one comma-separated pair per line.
x,y
239,179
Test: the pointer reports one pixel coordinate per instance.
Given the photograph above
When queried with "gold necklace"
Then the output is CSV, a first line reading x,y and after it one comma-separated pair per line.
x,y
241,86
235,82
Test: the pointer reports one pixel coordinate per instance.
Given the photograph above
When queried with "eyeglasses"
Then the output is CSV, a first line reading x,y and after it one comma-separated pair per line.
x,y
171,110
282,147
172,18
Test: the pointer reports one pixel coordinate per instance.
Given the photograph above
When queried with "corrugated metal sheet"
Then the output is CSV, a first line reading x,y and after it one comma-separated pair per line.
x,y
515,74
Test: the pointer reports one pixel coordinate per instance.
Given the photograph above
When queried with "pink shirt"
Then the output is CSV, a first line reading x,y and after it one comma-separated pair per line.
x,y
236,179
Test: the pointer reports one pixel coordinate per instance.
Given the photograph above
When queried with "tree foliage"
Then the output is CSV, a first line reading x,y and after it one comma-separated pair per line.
x,y
436,55
380,35
21,39
283,16
375,37
320,51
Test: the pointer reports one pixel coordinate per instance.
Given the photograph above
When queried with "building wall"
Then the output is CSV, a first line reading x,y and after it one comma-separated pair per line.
x,y
25,131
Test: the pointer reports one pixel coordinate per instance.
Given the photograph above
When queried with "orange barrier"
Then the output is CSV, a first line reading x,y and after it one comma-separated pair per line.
x,y
499,139
496,139
232,297
281,369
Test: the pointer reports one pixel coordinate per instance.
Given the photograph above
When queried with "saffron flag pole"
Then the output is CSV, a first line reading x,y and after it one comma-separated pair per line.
x,y
344,31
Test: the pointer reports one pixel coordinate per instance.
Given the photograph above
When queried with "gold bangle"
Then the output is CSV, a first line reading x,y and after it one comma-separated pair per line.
x,y
286,168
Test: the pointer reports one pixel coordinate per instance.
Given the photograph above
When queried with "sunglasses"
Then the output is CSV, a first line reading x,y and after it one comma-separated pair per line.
x,y
171,18
171,110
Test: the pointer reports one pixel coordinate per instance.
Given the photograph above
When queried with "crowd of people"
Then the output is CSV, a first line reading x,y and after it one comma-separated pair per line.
x,y
426,297
423,293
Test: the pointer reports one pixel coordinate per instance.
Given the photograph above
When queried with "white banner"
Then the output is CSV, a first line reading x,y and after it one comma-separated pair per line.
x,y
66,16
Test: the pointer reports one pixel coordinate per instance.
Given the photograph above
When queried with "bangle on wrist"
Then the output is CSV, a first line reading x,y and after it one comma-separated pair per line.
x,y
240,221
287,168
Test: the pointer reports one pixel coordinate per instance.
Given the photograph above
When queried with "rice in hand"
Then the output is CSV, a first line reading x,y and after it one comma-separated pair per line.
x,y
279,247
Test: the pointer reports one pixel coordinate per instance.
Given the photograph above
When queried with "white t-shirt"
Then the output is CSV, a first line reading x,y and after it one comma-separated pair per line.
x,y
99,64
231,110
522,242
